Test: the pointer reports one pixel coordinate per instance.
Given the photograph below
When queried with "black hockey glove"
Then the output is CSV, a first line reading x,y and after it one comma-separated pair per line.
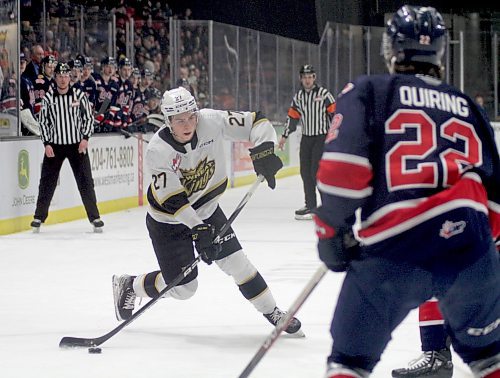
x,y
265,162
203,236
336,247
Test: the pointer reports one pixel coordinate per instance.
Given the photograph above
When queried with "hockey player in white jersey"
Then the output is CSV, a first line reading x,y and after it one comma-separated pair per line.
x,y
187,162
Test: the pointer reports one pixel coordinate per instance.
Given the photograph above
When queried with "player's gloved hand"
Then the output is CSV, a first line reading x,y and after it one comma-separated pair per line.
x,y
203,236
336,247
265,162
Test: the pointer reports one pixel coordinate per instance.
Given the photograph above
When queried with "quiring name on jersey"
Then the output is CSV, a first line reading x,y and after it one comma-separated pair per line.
x,y
433,99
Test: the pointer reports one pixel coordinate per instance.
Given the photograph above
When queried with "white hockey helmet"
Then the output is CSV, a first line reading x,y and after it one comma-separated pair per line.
x,y
177,101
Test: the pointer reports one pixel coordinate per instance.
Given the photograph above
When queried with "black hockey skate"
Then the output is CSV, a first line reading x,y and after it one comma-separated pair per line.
x,y
431,364
303,214
124,296
35,225
277,316
98,225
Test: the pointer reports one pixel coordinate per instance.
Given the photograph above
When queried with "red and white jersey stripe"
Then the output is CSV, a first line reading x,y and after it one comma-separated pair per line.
x,y
345,175
399,217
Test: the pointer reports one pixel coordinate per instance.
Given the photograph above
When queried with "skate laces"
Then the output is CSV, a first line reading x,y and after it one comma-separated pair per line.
x,y
421,361
277,315
129,302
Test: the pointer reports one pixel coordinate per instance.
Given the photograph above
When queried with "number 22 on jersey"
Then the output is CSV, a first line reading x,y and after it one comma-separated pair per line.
x,y
466,151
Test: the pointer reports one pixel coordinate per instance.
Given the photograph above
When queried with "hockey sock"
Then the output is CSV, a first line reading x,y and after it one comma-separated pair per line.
x,y
433,334
150,285
250,283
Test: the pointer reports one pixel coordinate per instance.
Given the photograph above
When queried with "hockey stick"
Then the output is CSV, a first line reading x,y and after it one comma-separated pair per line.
x,y
269,341
104,106
128,134
76,342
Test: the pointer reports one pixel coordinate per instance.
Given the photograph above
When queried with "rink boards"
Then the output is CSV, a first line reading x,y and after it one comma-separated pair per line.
x,y
120,177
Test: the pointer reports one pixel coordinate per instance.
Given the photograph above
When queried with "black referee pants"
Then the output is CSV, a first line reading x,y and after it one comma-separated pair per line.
x,y
80,164
311,149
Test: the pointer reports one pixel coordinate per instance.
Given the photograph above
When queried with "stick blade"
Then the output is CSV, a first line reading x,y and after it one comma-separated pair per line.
x,y
77,342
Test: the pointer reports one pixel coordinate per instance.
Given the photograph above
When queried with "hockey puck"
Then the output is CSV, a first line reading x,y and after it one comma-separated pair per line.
x,y
95,350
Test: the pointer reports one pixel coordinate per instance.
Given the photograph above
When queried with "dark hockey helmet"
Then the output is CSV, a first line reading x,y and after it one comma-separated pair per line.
x,y
153,93
88,62
125,62
81,59
146,73
75,64
109,60
307,69
414,34
62,68
49,59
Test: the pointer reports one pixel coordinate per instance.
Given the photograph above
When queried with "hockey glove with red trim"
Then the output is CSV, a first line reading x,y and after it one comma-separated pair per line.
x,y
336,247
203,236
266,162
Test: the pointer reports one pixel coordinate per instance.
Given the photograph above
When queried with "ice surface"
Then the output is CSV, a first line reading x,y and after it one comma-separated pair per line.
x,y
58,283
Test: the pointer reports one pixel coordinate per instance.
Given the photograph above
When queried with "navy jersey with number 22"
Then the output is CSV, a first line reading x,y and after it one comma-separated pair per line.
x,y
407,149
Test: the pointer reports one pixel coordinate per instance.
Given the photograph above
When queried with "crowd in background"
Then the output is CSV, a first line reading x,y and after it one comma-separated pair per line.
x,y
136,81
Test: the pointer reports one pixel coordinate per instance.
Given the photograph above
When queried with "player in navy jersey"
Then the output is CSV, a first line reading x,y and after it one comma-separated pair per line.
x,y
419,159
106,88
87,82
29,125
44,80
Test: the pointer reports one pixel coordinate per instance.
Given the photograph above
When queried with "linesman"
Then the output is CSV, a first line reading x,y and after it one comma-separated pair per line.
x,y
314,106
66,125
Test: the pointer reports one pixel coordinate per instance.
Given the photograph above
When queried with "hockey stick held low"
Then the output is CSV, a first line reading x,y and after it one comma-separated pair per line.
x,y
269,341
80,342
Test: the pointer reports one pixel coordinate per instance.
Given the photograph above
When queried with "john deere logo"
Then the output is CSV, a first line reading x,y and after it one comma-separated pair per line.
x,y
23,169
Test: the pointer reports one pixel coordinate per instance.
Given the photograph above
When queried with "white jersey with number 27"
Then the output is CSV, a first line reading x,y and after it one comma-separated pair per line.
x,y
187,179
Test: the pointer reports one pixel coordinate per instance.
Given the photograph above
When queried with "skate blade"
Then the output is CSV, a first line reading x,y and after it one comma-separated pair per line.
x,y
36,230
115,297
98,230
304,217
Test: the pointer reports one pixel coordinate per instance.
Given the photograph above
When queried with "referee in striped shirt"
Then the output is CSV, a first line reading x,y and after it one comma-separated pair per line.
x,y
66,123
314,106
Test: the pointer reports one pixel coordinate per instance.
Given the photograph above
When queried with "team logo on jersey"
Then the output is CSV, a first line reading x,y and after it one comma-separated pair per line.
x,y
334,127
195,180
176,162
348,87
449,229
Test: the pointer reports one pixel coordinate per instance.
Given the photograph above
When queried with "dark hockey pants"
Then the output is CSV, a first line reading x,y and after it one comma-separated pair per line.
x,y
51,167
378,293
311,149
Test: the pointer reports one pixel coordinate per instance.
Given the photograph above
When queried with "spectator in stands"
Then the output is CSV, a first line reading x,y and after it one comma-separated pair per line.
x,y
479,100
33,68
